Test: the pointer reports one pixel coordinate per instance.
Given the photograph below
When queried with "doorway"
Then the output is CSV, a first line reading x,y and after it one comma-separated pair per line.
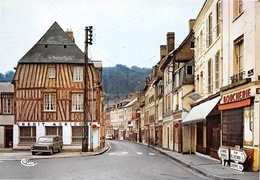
x,y
8,137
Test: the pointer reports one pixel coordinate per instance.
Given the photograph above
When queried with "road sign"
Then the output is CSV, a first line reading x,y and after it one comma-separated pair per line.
x,y
238,155
223,153
236,166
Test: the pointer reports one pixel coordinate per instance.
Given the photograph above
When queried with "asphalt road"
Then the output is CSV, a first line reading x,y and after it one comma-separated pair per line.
x,y
124,161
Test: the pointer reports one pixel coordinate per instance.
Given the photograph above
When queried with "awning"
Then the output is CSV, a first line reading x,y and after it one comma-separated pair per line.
x,y
200,112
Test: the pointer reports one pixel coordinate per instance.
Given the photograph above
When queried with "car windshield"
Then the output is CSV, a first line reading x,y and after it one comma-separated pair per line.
x,y
45,140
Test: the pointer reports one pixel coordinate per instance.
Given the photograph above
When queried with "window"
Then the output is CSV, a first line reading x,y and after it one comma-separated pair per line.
x,y
237,8
77,133
217,70
27,135
218,16
50,130
78,73
51,72
49,102
210,76
209,30
7,106
189,70
168,102
239,55
77,102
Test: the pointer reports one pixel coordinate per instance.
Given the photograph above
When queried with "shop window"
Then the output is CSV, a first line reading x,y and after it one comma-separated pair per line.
x,y
27,135
200,134
78,73
49,101
77,133
53,130
77,102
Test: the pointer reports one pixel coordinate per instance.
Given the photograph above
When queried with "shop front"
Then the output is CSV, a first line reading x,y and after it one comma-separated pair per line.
x,y
201,128
240,122
26,133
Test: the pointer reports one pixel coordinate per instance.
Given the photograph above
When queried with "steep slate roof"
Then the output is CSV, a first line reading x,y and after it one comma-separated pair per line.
x,y
55,46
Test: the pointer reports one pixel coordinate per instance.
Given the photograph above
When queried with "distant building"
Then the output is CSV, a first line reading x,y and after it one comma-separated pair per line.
x,y
6,115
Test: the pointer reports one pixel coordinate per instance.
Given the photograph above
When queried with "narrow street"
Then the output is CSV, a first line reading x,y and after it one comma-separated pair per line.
x,y
124,160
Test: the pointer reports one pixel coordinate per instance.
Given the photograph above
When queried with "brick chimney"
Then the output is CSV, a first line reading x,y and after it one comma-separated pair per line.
x,y
170,38
70,34
191,24
163,51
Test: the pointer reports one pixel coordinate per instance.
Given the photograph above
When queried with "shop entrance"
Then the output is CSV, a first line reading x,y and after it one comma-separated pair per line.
x,y
9,137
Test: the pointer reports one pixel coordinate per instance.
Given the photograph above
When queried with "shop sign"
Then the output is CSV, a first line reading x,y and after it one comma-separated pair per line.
x,y
237,96
257,90
177,116
223,153
238,155
49,124
236,166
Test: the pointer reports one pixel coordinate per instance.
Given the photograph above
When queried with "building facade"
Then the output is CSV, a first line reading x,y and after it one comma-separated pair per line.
x,y
6,115
49,93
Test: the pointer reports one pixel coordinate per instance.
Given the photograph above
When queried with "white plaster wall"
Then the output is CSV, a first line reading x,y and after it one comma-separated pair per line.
x,y
2,135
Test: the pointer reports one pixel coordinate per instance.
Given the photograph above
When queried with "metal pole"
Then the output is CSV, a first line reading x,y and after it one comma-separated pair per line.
x,y
85,75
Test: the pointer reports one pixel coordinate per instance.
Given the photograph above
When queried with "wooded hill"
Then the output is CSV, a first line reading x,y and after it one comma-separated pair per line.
x,y
117,81
121,80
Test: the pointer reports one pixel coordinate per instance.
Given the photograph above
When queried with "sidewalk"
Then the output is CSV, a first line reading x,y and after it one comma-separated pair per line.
x,y
15,155
208,166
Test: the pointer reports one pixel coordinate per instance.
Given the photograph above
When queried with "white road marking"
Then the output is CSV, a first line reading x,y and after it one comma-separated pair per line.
x,y
124,152
152,154
139,153
111,153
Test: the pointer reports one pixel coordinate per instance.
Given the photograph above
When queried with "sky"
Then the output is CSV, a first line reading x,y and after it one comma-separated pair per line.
x,y
127,32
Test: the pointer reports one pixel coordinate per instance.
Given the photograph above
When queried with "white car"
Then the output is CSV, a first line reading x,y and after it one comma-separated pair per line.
x,y
109,136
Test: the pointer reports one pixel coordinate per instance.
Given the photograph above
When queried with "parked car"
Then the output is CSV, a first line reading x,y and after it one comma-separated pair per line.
x,y
48,143
109,136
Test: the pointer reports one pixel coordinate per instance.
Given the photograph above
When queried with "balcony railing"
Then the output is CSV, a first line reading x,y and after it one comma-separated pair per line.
x,y
237,77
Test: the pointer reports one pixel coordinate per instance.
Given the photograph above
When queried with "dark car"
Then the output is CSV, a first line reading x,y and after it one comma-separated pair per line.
x,y
48,143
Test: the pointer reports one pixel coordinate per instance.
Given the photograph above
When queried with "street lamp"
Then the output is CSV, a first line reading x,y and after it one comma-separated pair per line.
x,y
91,131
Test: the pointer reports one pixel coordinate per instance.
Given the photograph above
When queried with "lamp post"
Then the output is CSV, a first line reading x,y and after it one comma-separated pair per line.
x,y
92,118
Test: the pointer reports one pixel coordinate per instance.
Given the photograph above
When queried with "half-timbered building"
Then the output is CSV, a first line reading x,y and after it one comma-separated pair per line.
x,y
49,92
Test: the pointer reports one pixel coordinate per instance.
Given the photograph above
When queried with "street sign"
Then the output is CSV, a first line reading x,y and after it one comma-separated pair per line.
x,y
236,166
223,153
238,155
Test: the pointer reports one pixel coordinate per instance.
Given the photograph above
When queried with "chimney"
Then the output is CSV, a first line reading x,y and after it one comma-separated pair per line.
x,y
191,24
170,38
70,34
163,52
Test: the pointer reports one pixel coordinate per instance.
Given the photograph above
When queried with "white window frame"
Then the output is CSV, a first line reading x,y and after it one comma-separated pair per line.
x,y
76,134
77,102
217,70
78,73
53,130
28,137
210,76
49,102
7,105
51,72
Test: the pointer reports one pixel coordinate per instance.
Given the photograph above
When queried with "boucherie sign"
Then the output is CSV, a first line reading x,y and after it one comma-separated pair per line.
x,y
237,96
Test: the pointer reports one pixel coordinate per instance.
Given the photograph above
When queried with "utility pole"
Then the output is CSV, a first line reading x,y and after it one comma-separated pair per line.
x,y
88,40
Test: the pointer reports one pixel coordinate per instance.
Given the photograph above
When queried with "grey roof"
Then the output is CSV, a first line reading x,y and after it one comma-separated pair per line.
x,y
55,46
6,87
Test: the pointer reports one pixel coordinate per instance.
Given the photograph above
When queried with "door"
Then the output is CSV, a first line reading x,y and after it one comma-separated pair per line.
x,y
8,137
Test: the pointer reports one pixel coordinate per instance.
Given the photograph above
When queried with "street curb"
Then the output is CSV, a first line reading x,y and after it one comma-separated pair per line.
x,y
192,167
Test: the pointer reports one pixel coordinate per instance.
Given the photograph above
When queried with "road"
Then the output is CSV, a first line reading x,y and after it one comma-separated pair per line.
x,y
124,161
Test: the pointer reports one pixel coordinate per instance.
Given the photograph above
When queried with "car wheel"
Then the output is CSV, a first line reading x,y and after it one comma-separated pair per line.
x,y
51,152
33,153
59,150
